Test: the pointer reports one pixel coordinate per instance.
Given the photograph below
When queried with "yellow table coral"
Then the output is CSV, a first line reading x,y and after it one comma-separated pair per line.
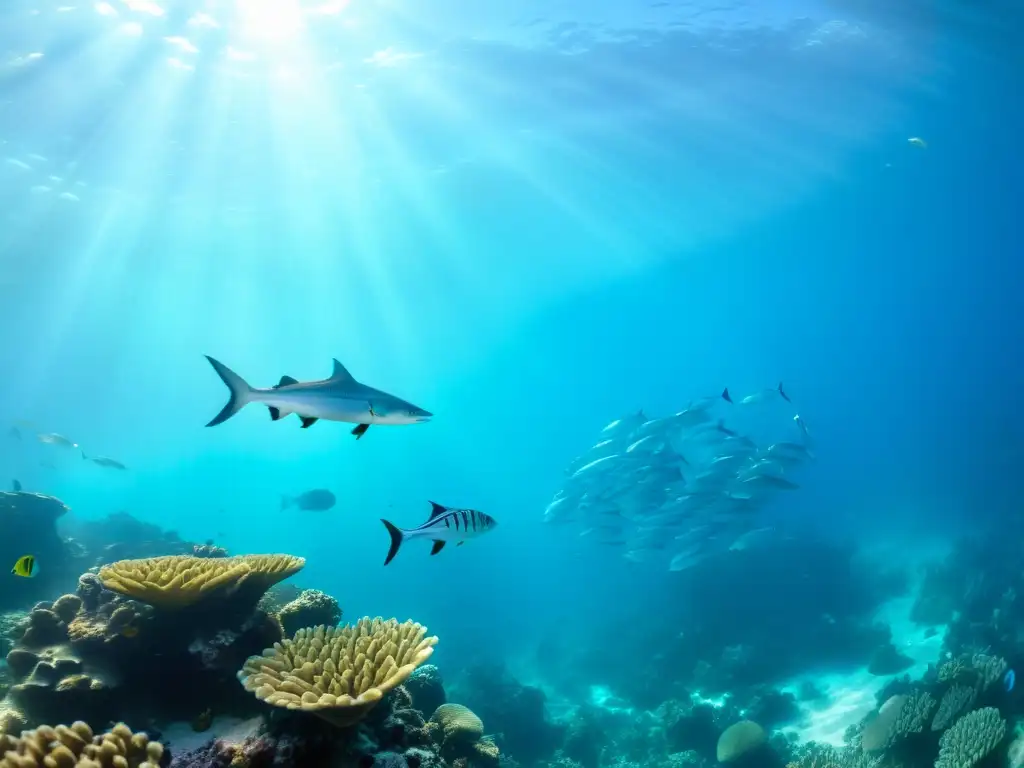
x,y
338,673
64,747
178,581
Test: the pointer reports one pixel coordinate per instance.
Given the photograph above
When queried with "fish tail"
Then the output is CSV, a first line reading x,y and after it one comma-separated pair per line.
x,y
726,396
783,393
240,392
397,537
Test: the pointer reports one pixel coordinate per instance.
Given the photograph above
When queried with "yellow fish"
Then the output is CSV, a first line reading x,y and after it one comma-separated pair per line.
x,y
25,567
130,631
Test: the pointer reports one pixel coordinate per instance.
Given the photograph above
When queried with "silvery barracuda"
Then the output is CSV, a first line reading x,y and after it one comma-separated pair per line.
x,y
682,488
445,524
338,398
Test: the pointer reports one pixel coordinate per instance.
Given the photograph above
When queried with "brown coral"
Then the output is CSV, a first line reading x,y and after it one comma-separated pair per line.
x,y
64,747
338,673
178,581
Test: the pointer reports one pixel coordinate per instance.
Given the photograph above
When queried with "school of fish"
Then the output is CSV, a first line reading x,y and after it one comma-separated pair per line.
x,y
681,488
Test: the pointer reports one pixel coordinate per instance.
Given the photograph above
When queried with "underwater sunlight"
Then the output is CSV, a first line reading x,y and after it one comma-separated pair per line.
x,y
488,385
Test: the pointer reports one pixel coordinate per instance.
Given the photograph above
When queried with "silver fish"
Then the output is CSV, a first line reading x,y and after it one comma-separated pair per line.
x,y
444,525
339,398
104,461
52,438
757,397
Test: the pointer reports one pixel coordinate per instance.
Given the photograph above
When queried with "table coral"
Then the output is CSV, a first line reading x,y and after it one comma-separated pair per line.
x,y
338,673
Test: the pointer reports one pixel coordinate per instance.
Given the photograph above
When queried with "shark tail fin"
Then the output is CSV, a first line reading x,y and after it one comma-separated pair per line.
x,y
396,540
240,392
726,396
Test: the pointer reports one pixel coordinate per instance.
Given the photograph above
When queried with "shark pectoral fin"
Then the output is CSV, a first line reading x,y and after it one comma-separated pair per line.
x,y
360,430
438,546
308,421
285,381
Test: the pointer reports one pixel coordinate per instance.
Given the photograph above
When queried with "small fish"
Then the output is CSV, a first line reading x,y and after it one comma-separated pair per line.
x,y
52,438
757,397
129,631
444,525
25,567
1008,680
103,461
800,423
339,398
917,141
317,500
15,485
203,721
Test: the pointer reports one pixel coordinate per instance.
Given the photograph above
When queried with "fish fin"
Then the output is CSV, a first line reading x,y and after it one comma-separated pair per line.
x,y
783,393
726,396
308,421
438,546
436,510
460,544
340,374
285,381
240,392
275,413
84,457
396,540
360,430
16,484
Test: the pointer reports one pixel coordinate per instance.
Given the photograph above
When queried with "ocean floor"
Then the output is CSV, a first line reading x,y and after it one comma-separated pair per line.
x,y
851,696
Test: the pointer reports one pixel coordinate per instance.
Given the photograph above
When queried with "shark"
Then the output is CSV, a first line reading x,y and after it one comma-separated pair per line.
x,y
338,398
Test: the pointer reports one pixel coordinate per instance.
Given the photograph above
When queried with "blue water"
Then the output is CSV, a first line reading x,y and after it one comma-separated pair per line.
x,y
530,221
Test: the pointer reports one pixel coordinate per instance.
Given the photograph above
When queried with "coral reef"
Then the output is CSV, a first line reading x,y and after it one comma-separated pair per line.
x,y
426,687
28,526
101,653
310,609
738,740
67,747
338,673
391,734
459,736
514,710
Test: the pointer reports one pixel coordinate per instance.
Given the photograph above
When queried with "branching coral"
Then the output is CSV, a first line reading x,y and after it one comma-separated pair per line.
x,y
956,700
338,673
971,738
178,581
64,747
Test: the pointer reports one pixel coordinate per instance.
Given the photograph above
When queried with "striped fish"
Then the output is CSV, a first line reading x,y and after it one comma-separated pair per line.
x,y
445,524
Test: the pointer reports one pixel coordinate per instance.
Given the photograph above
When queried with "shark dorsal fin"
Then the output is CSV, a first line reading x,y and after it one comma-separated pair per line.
x,y
341,374
285,381
436,510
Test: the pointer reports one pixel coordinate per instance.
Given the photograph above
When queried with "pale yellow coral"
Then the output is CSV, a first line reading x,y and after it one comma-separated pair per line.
x,y
64,747
338,673
457,723
178,581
